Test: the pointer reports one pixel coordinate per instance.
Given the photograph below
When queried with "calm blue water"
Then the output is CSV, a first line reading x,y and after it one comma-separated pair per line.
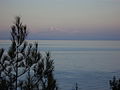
x,y
91,64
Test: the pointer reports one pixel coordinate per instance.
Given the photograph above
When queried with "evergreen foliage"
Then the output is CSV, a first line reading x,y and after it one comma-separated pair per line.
x,y
23,67
114,84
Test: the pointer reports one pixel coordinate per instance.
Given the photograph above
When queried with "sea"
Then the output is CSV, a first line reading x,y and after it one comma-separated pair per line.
x,y
89,63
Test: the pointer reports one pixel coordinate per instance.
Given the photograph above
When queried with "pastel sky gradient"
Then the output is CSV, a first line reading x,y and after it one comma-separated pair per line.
x,y
63,19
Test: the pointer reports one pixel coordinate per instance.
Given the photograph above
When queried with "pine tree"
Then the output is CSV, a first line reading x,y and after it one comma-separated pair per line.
x,y
114,84
23,66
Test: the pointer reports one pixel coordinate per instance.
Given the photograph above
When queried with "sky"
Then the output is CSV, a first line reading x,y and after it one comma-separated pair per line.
x,y
63,19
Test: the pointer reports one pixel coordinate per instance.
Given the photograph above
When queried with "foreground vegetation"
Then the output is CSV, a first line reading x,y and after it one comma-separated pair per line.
x,y
23,67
